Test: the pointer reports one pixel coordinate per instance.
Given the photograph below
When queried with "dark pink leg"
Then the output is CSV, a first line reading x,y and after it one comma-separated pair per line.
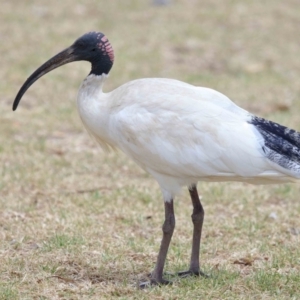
x,y
167,228
197,218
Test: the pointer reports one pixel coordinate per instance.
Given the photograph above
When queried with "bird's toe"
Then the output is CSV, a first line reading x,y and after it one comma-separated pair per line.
x,y
188,273
153,282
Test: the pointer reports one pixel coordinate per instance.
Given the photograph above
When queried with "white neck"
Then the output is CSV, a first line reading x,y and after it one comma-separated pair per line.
x,y
92,108
91,86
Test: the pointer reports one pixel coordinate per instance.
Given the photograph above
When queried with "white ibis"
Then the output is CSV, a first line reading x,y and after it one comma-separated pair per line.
x,y
179,133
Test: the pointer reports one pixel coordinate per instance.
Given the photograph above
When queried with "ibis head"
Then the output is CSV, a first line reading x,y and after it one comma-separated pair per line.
x,y
92,46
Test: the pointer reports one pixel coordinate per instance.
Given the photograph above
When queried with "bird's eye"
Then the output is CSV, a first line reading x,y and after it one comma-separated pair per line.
x,y
94,49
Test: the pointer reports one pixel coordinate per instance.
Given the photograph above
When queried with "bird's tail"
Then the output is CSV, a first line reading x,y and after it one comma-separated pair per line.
x,y
281,144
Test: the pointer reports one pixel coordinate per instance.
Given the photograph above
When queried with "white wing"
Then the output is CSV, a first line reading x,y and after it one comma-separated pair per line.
x,y
182,134
182,131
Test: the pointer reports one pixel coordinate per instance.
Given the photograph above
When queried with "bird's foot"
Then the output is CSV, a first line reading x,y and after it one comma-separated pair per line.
x,y
188,273
153,282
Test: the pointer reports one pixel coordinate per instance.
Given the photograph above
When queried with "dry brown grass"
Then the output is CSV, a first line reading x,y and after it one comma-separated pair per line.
x,y
76,223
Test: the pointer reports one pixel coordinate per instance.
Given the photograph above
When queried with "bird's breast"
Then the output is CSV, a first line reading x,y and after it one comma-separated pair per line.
x,y
95,111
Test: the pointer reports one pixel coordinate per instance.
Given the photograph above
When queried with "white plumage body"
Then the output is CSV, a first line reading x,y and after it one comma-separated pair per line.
x,y
179,133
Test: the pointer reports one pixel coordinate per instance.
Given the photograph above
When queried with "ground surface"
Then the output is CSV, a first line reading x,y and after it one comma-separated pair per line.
x,y
76,223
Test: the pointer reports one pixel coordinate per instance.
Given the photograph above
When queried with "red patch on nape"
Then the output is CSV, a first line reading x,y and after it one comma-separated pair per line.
x,y
106,47
104,39
109,51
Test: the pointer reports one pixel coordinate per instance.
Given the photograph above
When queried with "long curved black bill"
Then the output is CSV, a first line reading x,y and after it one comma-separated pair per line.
x,y
64,57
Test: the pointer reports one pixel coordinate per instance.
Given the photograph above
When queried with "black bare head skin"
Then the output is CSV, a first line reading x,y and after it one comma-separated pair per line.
x,y
92,46
95,48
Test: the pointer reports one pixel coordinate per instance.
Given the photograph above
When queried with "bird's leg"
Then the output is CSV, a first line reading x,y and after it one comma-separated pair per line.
x,y
167,228
197,218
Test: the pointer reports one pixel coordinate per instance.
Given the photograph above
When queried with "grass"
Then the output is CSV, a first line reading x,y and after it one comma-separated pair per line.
x,y
77,223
